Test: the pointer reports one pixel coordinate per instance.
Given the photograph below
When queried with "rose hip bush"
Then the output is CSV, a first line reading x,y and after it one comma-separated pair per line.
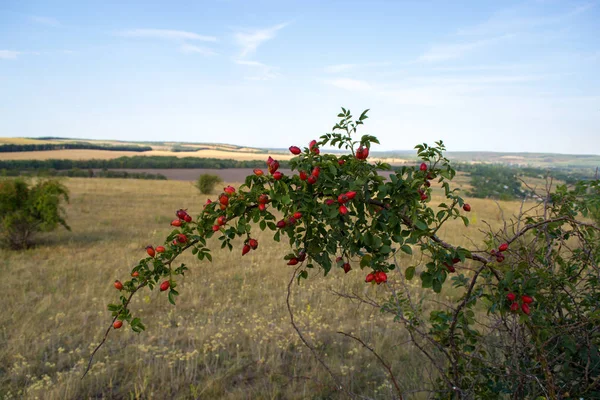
x,y
524,319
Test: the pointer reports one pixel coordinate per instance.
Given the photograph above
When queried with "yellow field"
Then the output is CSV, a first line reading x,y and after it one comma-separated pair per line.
x,y
23,141
107,154
229,336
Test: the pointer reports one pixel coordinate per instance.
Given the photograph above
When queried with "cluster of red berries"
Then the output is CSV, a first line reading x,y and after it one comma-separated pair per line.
x,y
376,277
450,267
289,221
525,302
498,253
182,216
298,259
250,244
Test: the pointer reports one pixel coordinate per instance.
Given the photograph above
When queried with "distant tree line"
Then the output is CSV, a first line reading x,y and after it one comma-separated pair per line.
x,y
11,148
135,162
82,173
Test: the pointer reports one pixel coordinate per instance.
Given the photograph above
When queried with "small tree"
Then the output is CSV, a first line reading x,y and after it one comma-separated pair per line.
x,y
206,183
26,210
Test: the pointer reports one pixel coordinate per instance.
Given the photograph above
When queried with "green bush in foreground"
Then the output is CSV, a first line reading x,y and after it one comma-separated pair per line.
x,y
28,209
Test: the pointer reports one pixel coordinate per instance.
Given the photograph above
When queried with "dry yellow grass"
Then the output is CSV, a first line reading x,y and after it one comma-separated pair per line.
x,y
107,155
229,336
23,141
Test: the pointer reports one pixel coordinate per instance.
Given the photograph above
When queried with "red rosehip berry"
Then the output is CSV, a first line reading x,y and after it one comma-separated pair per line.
x,y
223,207
224,199
291,221
511,297
527,299
316,172
181,238
258,172
503,247
293,261
298,215
164,286
423,167
160,249
295,150
273,167
329,202
312,180
514,307
187,218
229,190
181,213
245,249
263,199
342,198
449,267
277,175
341,162
424,196
281,224
303,175
456,260
380,277
351,195
118,285
221,220
262,207
301,255
370,277
466,207
499,257
176,222
150,251
427,184
253,243
343,210
312,144
346,267
117,324
525,308
362,153
135,274
215,228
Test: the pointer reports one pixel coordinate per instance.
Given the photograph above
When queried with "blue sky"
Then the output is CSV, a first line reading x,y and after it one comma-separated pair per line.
x,y
480,75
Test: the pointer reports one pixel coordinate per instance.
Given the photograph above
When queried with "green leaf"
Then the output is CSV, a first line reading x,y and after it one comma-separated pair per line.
x,y
407,249
421,225
409,273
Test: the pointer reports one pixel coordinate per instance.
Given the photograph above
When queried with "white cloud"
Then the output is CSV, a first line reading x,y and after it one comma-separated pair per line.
x,y
513,20
350,84
9,54
457,50
48,21
192,49
250,40
166,34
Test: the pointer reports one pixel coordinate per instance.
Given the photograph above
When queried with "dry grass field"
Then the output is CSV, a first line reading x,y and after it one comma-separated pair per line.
x,y
229,337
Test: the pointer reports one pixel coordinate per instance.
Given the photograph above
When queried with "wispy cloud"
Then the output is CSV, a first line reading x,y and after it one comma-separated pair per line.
x,y
167,34
47,21
250,40
512,20
457,50
9,54
354,85
333,69
264,72
192,49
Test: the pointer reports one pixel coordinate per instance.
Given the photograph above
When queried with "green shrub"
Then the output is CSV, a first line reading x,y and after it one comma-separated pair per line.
x,y
206,183
27,209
